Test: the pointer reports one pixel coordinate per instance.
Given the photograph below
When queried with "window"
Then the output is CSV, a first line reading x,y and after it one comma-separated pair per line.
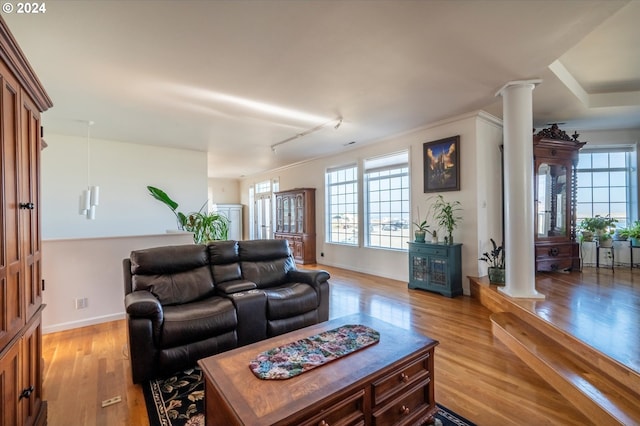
x,y
342,205
387,201
606,181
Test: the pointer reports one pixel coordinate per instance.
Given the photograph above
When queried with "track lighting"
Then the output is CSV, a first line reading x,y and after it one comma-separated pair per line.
x,y
337,120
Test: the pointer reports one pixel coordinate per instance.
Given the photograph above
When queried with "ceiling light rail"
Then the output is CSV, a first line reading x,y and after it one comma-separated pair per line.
x,y
337,121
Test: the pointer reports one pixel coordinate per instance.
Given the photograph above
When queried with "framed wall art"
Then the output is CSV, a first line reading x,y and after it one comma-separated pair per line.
x,y
442,165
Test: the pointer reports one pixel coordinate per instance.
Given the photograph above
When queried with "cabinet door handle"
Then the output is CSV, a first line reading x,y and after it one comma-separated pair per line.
x,y
26,393
26,206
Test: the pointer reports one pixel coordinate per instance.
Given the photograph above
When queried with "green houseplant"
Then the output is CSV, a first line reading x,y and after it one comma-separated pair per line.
x,y
447,215
495,260
205,226
602,226
634,233
422,228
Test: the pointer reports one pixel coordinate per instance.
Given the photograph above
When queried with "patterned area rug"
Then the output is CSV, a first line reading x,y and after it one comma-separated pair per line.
x,y
295,358
179,401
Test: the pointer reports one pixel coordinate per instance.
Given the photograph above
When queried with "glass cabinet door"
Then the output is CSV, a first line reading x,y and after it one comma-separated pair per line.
x,y
552,203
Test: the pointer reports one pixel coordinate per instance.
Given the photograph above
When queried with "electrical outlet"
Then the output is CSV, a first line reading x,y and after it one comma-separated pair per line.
x,y
82,303
111,401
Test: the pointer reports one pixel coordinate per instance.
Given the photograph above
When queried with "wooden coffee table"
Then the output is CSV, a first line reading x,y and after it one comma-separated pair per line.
x,y
388,383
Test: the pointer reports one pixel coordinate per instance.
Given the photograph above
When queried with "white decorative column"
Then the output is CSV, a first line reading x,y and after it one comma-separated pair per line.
x,y
517,106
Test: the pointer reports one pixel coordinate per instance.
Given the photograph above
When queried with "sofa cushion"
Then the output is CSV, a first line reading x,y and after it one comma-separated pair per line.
x,y
191,322
174,274
257,250
267,273
290,300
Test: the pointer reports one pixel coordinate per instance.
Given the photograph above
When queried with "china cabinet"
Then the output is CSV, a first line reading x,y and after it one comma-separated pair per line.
x,y
296,222
22,100
555,158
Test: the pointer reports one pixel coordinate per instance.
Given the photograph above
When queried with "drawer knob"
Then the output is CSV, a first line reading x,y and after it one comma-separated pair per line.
x,y
404,410
404,378
323,423
554,251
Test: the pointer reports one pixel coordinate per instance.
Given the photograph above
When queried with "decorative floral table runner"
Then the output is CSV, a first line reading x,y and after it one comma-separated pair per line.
x,y
295,358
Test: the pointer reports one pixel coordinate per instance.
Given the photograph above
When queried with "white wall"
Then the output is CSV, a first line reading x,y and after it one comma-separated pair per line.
x,y
480,136
83,258
224,191
123,171
90,268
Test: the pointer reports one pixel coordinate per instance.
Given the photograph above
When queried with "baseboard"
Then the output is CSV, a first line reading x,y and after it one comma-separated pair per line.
x,y
81,323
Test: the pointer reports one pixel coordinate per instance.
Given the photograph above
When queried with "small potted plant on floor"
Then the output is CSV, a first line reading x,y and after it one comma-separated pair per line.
x,y
495,260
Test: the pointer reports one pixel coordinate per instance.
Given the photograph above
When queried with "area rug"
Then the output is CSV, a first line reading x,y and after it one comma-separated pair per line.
x,y
291,359
179,401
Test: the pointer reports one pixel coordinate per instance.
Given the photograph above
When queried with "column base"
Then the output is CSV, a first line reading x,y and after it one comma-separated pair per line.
x,y
529,294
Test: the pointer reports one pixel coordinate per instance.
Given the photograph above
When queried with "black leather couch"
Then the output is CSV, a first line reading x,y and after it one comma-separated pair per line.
x,y
187,302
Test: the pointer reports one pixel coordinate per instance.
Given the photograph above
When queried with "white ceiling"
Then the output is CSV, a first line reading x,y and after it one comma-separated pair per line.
x,y
209,75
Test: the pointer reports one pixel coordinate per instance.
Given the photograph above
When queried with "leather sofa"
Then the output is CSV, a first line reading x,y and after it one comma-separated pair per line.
x,y
187,302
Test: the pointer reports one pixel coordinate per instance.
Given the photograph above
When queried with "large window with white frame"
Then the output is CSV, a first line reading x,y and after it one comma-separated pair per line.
x,y
607,184
342,204
387,204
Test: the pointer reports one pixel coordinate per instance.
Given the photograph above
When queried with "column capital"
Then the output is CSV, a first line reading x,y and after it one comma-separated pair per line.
x,y
533,82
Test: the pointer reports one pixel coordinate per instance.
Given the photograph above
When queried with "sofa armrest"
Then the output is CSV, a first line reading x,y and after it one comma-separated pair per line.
x,y
143,304
234,286
312,277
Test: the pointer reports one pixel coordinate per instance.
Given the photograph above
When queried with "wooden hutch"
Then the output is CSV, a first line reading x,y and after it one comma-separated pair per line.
x,y
296,222
22,100
555,157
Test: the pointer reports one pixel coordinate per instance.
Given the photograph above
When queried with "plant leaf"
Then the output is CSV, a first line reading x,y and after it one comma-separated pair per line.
x,y
162,196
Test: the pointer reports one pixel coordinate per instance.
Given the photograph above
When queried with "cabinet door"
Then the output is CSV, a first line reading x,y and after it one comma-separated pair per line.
x,y
279,214
10,386
300,213
29,213
11,276
438,275
31,383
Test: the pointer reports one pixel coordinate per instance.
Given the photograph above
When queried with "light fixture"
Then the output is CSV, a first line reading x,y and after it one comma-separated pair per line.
x,y
90,197
337,120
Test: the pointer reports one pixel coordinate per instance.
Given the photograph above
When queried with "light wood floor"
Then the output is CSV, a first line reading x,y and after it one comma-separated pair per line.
x,y
476,375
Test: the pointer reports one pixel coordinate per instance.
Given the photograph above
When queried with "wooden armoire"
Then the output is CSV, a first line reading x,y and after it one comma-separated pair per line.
x,y
22,99
555,159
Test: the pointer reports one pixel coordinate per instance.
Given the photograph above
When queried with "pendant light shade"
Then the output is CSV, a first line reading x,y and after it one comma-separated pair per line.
x,y
90,197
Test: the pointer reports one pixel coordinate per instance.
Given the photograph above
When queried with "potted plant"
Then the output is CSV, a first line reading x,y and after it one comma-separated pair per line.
x,y
421,228
495,260
598,225
447,214
634,233
205,226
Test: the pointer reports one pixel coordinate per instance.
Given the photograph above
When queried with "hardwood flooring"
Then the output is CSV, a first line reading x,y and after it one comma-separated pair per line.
x,y
476,375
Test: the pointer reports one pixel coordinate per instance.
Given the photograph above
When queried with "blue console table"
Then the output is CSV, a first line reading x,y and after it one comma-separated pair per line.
x,y
436,267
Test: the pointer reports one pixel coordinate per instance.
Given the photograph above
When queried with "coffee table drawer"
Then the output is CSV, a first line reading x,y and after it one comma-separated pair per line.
x,y
348,412
406,409
400,379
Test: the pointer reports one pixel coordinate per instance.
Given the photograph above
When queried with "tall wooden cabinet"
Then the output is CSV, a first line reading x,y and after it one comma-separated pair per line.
x,y
22,99
296,222
555,158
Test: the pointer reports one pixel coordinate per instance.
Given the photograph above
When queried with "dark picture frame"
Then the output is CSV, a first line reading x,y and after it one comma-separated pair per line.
x,y
442,165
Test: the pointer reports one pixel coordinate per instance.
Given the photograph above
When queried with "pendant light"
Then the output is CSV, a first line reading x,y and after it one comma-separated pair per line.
x,y
90,197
